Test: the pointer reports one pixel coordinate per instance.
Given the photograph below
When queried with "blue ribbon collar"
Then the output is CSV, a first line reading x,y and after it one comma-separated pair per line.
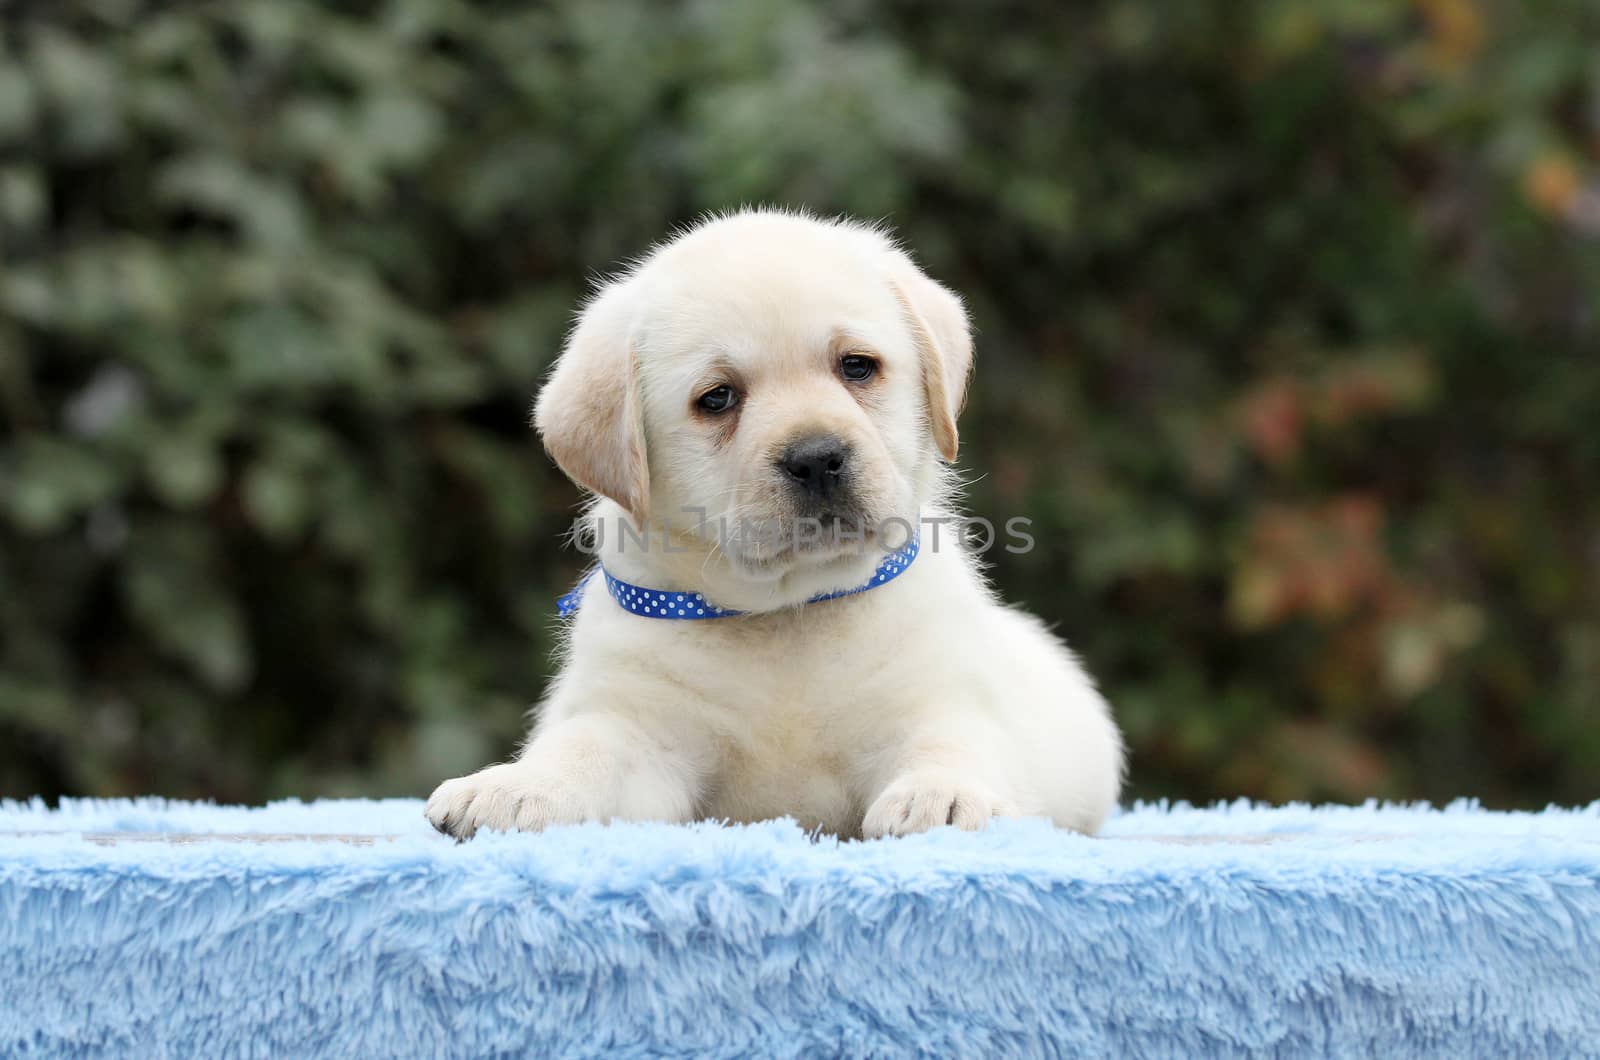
x,y
689,607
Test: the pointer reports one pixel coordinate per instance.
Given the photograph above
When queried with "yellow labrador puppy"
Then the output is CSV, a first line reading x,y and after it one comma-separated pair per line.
x,y
781,623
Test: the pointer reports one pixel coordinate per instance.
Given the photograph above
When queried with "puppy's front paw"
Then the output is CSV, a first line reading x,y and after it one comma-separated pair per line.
x,y
929,798
504,798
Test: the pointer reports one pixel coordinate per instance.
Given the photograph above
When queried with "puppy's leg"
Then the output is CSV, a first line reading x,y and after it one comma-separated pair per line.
x,y
942,776
588,767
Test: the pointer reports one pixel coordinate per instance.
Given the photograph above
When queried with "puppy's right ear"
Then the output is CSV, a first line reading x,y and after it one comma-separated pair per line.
x,y
939,321
588,412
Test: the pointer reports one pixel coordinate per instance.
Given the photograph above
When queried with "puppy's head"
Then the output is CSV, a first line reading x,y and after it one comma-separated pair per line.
x,y
777,387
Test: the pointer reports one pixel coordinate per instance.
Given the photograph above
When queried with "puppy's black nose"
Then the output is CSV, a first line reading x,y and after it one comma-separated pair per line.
x,y
816,465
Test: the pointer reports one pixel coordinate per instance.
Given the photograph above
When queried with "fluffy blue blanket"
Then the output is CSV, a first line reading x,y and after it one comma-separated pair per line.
x,y
1360,931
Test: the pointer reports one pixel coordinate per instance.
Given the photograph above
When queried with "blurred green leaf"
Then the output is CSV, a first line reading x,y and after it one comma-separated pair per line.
x,y
172,592
183,466
47,482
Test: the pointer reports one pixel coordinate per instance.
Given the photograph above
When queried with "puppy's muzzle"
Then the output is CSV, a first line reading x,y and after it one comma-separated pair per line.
x,y
817,468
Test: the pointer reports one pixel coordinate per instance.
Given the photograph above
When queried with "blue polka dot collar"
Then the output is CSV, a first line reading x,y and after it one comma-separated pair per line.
x,y
686,606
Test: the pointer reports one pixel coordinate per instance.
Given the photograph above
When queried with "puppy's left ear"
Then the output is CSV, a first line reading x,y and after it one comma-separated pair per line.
x,y
939,322
589,413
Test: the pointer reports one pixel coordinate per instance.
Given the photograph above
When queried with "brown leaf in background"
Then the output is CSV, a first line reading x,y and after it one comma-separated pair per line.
x,y
1321,561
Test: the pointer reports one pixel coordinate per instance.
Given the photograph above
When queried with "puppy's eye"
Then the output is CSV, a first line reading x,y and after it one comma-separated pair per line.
x,y
718,399
857,368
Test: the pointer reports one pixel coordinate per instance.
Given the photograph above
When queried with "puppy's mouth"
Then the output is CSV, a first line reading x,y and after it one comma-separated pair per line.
x,y
806,542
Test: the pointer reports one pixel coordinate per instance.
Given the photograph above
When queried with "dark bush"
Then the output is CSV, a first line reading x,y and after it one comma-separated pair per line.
x,y
1288,346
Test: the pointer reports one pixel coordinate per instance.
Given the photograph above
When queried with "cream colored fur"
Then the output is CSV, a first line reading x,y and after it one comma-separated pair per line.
x,y
923,703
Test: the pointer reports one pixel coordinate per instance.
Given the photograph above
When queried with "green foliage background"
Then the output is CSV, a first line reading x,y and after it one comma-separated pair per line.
x,y
1288,344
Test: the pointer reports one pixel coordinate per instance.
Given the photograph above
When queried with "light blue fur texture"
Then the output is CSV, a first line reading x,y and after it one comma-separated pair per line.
x,y
1343,931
